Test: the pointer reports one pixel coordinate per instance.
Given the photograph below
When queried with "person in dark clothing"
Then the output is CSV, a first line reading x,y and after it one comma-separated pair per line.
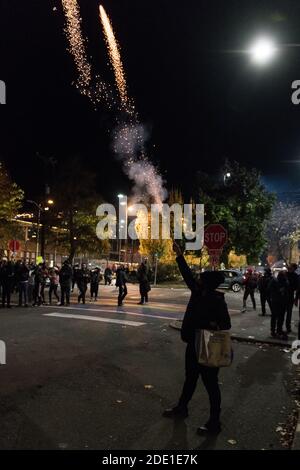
x,y
76,269
38,277
7,281
250,286
22,278
206,310
82,282
263,285
65,280
142,275
44,277
278,293
95,280
121,280
296,304
107,275
293,280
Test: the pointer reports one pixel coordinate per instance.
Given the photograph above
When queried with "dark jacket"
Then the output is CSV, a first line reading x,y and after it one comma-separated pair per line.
x,y
121,278
278,292
83,277
293,280
264,282
7,273
65,275
22,273
205,310
95,276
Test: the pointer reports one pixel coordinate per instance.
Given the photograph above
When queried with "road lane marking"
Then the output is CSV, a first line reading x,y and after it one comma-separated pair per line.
x,y
114,311
86,317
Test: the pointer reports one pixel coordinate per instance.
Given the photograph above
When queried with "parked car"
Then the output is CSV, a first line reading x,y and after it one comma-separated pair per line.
x,y
234,280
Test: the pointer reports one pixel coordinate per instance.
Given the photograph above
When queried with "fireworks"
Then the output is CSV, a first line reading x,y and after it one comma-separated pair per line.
x,y
115,57
129,136
77,43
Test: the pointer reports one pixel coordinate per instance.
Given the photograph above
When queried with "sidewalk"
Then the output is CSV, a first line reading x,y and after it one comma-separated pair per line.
x,y
253,328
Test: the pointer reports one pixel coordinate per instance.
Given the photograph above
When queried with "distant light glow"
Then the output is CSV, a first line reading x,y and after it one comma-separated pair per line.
x,y
262,51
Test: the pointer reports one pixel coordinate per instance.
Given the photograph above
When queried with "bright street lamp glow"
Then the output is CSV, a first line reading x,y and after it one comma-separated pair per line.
x,y
228,175
50,201
262,51
120,196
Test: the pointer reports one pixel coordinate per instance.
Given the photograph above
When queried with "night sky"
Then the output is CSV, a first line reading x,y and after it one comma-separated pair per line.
x,y
200,99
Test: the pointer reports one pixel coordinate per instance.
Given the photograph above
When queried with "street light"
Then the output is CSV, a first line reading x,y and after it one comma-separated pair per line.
x,y
226,176
262,51
40,210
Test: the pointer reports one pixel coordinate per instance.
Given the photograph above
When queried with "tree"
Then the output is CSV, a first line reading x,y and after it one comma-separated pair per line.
x,y
11,198
242,204
283,230
77,200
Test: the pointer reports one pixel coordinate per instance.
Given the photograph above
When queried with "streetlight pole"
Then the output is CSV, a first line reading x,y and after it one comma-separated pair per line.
x,y
40,210
38,226
155,272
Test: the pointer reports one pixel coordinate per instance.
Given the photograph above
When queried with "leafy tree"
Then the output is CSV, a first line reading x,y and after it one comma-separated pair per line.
x,y
77,200
11,198
283,230
242,204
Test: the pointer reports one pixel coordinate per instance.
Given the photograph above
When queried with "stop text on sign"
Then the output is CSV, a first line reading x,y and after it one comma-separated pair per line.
x,y
215,237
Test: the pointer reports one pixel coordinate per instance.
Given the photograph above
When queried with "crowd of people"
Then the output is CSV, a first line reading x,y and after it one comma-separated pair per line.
x,y
30,282
280,293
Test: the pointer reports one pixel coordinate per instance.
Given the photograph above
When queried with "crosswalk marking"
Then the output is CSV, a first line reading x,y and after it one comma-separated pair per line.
x,y
122,312
87,317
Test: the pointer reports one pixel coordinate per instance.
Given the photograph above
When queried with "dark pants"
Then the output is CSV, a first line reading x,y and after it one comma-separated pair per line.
x,y
23,292
144,289
248,292
289,311
94,289
65,292
107,280
37,299
6,293
53,290
277,318
82,291
122,294
144,297
42,292
263,300
30,292
209,376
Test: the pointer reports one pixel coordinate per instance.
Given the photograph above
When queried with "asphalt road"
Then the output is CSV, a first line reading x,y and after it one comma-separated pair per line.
x,y
99,377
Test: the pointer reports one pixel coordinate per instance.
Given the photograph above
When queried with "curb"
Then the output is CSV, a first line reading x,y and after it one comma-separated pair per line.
x,y
176,325
296,441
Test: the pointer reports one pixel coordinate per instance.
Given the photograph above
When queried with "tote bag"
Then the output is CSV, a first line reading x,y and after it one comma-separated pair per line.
x,y
213,348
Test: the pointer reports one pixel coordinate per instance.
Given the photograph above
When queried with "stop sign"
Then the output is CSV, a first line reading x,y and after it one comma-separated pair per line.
x,y
14,245
215,237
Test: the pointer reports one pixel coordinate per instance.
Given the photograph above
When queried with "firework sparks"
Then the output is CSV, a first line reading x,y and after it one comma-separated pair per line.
x,y
77,42
114,54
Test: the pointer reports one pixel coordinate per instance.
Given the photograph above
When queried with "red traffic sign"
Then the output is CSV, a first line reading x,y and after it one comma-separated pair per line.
x,y
215,236
14,245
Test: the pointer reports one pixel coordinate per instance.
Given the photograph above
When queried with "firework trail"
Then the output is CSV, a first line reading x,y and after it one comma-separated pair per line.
x,y
130,135
95,89
77,43
114,55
